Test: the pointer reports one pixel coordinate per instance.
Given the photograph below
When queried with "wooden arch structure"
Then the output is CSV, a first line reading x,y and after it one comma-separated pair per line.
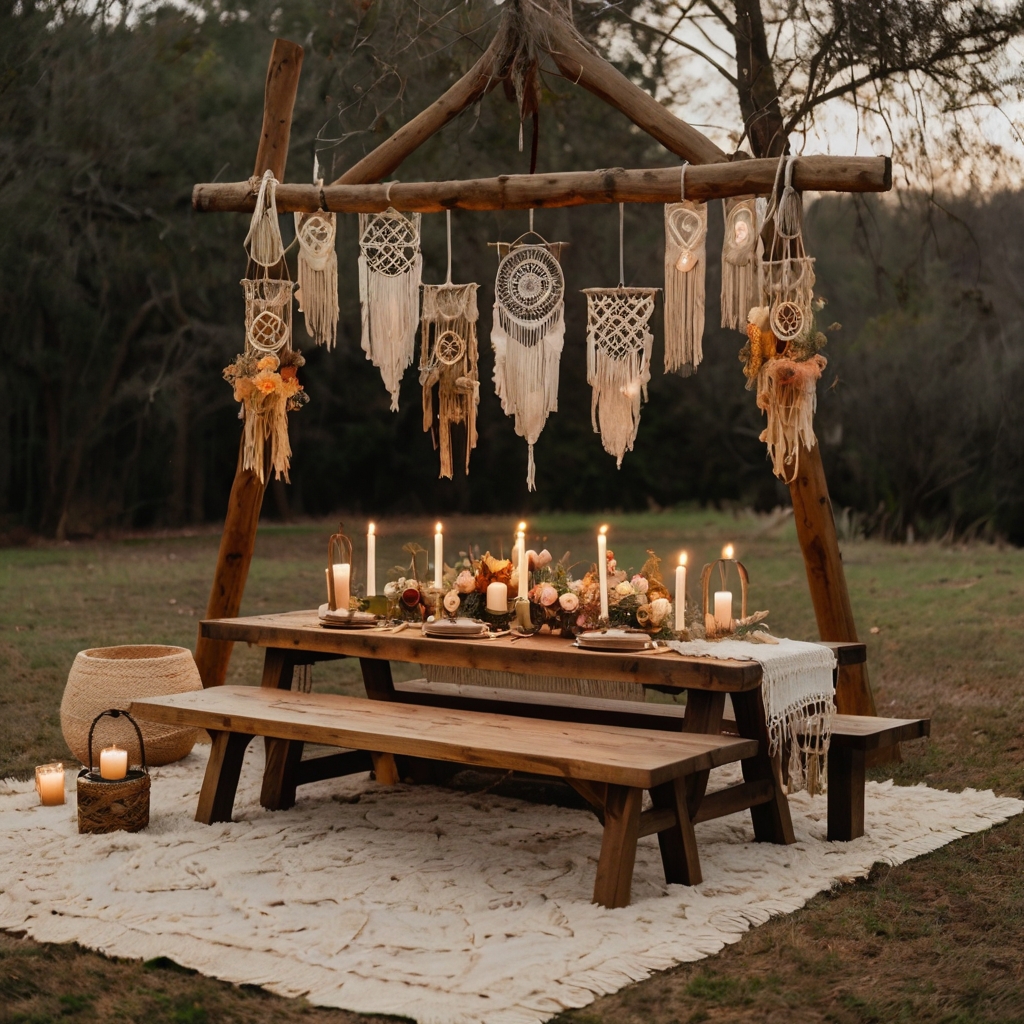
x,y
714,175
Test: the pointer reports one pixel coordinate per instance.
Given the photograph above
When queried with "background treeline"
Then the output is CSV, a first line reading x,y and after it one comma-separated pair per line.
x,y
119,306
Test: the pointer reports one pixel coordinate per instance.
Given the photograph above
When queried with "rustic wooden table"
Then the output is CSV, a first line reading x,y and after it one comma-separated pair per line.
x,y
297,638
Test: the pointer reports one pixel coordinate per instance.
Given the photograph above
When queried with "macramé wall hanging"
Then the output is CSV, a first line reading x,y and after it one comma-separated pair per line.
x,y
782,355
265,376
618,358
448,361
390,267
527,335
686,228
741,260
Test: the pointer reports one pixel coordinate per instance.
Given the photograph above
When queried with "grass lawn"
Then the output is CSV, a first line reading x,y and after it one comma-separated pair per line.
x,y
939,939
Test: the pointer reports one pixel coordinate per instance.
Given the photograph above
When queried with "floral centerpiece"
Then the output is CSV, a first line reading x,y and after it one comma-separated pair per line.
x,y
637,601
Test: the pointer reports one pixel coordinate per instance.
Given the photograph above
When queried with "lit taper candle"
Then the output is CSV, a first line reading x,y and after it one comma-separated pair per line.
x,y
602,569
371,560
681,592
438,556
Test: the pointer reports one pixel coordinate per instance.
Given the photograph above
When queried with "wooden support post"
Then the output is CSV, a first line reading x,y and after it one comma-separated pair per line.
x,y
243,515
816,530
614,880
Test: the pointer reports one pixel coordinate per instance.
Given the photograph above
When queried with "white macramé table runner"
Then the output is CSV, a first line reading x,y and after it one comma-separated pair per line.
x,y
797,691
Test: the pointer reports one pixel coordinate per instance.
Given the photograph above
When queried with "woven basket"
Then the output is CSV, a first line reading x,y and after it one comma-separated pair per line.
x,y
112,677
120,805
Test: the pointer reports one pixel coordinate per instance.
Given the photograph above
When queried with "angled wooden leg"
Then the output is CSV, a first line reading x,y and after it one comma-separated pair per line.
x,y
678,844
280,776
377,679
618,846
771,820
845,794
704,710
385,769
217,797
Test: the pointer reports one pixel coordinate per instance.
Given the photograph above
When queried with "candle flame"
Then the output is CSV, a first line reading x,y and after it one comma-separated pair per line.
x,y
438,527
728,551
682,558
372,529
521,527
604,529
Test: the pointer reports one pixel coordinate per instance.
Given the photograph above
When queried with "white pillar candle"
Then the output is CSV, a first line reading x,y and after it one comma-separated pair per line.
x,y
438,556
681,592
371,561
497,598
523,568
113,763
723,609
342,584
602,569
50,784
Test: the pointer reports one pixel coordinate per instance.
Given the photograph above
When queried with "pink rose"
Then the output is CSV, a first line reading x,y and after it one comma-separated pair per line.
x,y
569,602
640,583
548,595
466,582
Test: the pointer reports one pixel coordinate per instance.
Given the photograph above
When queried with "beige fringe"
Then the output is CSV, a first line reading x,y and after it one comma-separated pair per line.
x,y
686,226
318,275
741,261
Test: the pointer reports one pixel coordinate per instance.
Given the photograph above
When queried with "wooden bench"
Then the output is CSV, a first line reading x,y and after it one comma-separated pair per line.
x,y
610,766
853,736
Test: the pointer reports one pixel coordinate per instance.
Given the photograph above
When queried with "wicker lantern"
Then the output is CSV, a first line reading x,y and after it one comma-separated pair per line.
x,y
716,623
114,804
339,570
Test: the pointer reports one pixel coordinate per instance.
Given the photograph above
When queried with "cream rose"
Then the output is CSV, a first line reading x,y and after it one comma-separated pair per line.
x,y
548,595
624,589
569,602
466,582
660,607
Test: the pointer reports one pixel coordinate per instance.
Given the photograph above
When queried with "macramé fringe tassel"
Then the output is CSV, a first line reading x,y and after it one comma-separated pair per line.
x,y
741,261
266,420
318,275
686,226
787,393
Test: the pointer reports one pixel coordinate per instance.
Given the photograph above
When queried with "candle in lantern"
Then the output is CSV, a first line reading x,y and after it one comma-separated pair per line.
x,y
371,561
723,609
497,598
681,592
524,569
113,763
438,555
602,569
50,784
342,584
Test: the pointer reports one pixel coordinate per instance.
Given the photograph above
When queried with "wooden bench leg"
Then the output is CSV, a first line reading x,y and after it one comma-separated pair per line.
x,y
845,794
772,822
217,797
618,846
280,776
385,769
678,844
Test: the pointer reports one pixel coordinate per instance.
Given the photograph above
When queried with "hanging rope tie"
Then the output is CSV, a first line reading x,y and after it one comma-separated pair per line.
x,y
449,361
686,227
619,344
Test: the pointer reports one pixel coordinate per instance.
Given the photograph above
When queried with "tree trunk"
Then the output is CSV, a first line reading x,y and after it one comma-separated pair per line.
x,y
758,90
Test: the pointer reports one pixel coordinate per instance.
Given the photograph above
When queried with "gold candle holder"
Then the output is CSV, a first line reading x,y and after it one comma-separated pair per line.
x,y
714,626
339,570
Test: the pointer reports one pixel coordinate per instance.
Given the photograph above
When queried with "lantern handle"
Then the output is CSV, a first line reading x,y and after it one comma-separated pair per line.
x,y
118,713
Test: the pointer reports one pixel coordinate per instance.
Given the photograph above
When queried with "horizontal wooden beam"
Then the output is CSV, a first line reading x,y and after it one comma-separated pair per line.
x,y
570,188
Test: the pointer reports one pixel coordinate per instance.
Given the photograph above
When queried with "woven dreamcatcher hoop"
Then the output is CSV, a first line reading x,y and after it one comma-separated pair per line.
x,y
527,335
788,272
619,343
390,267
741,259
318,273
686,228
265,376
448,361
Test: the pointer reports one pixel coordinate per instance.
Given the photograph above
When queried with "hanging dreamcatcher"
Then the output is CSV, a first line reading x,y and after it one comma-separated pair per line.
x,y
741,259
390,265
265,376
448,360
782,355
618,358
686,228
317,293
527,334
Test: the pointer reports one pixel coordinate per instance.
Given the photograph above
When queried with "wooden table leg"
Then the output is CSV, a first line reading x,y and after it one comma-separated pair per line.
x,y
377,679
618,846
704,710
217,797
845,794
280,778
771,820
678,844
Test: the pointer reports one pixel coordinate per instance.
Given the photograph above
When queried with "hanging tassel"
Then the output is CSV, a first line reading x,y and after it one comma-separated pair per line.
x,y
787,393
686,226
390,267
263,242
741,261
527,335
618,362
318,275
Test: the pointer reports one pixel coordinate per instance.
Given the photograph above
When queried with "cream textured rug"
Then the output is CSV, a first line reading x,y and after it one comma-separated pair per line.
x,y
449,908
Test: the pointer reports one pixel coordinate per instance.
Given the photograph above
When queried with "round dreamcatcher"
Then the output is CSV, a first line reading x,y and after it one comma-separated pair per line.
x,y
529,285
449,348
788,320
390,243
316,235
740,234
687,225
